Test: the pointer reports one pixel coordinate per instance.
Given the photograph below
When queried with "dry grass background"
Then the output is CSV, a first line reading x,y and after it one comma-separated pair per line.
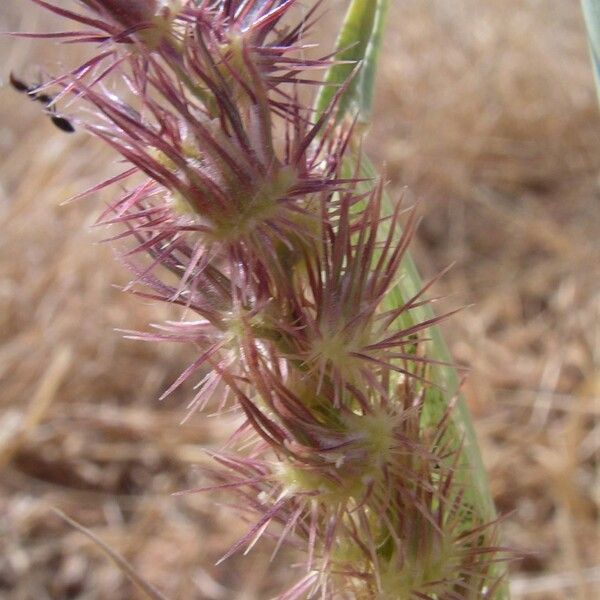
x,y
486,111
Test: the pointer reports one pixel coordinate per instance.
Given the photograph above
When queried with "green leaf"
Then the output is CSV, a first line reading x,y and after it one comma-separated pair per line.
x,y
446,377
358,44
359,41
591,12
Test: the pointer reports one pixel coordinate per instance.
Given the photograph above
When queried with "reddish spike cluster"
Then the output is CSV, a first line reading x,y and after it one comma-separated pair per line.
x,y
249,221
377,508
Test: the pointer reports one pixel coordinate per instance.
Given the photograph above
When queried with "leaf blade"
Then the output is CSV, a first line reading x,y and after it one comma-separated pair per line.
x,y
359,41
591,13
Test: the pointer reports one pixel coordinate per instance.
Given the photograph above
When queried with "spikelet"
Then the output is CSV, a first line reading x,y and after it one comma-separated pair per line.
x,y
242,211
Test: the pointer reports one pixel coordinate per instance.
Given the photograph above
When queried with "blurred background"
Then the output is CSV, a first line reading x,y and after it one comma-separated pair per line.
x,y
487,114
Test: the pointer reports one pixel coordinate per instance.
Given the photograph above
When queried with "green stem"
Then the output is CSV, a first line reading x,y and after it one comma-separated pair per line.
x,y
359,41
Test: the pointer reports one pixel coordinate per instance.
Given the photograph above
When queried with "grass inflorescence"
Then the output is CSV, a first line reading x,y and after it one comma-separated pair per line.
x,y
249,210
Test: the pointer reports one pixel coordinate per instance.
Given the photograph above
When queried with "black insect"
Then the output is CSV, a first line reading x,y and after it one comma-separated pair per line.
x,y
60,122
